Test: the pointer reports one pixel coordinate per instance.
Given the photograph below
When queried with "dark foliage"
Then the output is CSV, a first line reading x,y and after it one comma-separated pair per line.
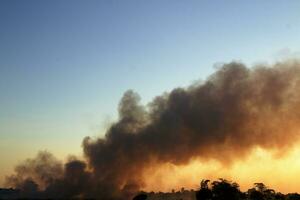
x,y
221,189
140,197
226,190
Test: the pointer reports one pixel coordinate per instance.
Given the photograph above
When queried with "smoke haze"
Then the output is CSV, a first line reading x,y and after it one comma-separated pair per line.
x,y
223,118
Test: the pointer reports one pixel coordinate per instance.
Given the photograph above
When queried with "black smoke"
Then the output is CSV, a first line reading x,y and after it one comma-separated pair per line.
x,y
234,110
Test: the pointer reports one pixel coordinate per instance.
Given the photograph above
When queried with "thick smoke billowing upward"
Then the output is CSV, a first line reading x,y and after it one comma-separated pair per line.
x,y
234,110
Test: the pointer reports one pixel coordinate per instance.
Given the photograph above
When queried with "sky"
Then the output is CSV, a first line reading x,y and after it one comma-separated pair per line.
x,y
64,65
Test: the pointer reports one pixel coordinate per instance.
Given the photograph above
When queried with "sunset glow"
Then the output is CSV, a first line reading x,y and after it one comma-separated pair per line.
x,y
134,100
260,166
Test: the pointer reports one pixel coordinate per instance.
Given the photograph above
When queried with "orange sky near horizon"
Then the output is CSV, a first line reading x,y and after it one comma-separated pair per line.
x,y
279,173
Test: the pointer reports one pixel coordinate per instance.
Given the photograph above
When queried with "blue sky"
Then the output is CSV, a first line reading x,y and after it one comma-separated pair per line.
x,y
64,65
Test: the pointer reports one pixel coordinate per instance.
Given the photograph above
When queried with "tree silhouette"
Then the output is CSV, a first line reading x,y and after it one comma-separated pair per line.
x,y
260,187
140,197
255,194
262,192
220,190
225,190
204,193
293,196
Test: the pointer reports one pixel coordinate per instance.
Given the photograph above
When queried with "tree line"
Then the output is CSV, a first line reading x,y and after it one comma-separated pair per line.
x,y
223,189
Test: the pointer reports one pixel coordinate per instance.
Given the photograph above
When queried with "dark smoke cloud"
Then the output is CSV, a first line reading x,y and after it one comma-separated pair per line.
x,y
234,110
44,169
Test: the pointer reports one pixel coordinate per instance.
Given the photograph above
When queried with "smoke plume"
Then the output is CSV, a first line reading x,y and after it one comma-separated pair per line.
x,y
235,110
